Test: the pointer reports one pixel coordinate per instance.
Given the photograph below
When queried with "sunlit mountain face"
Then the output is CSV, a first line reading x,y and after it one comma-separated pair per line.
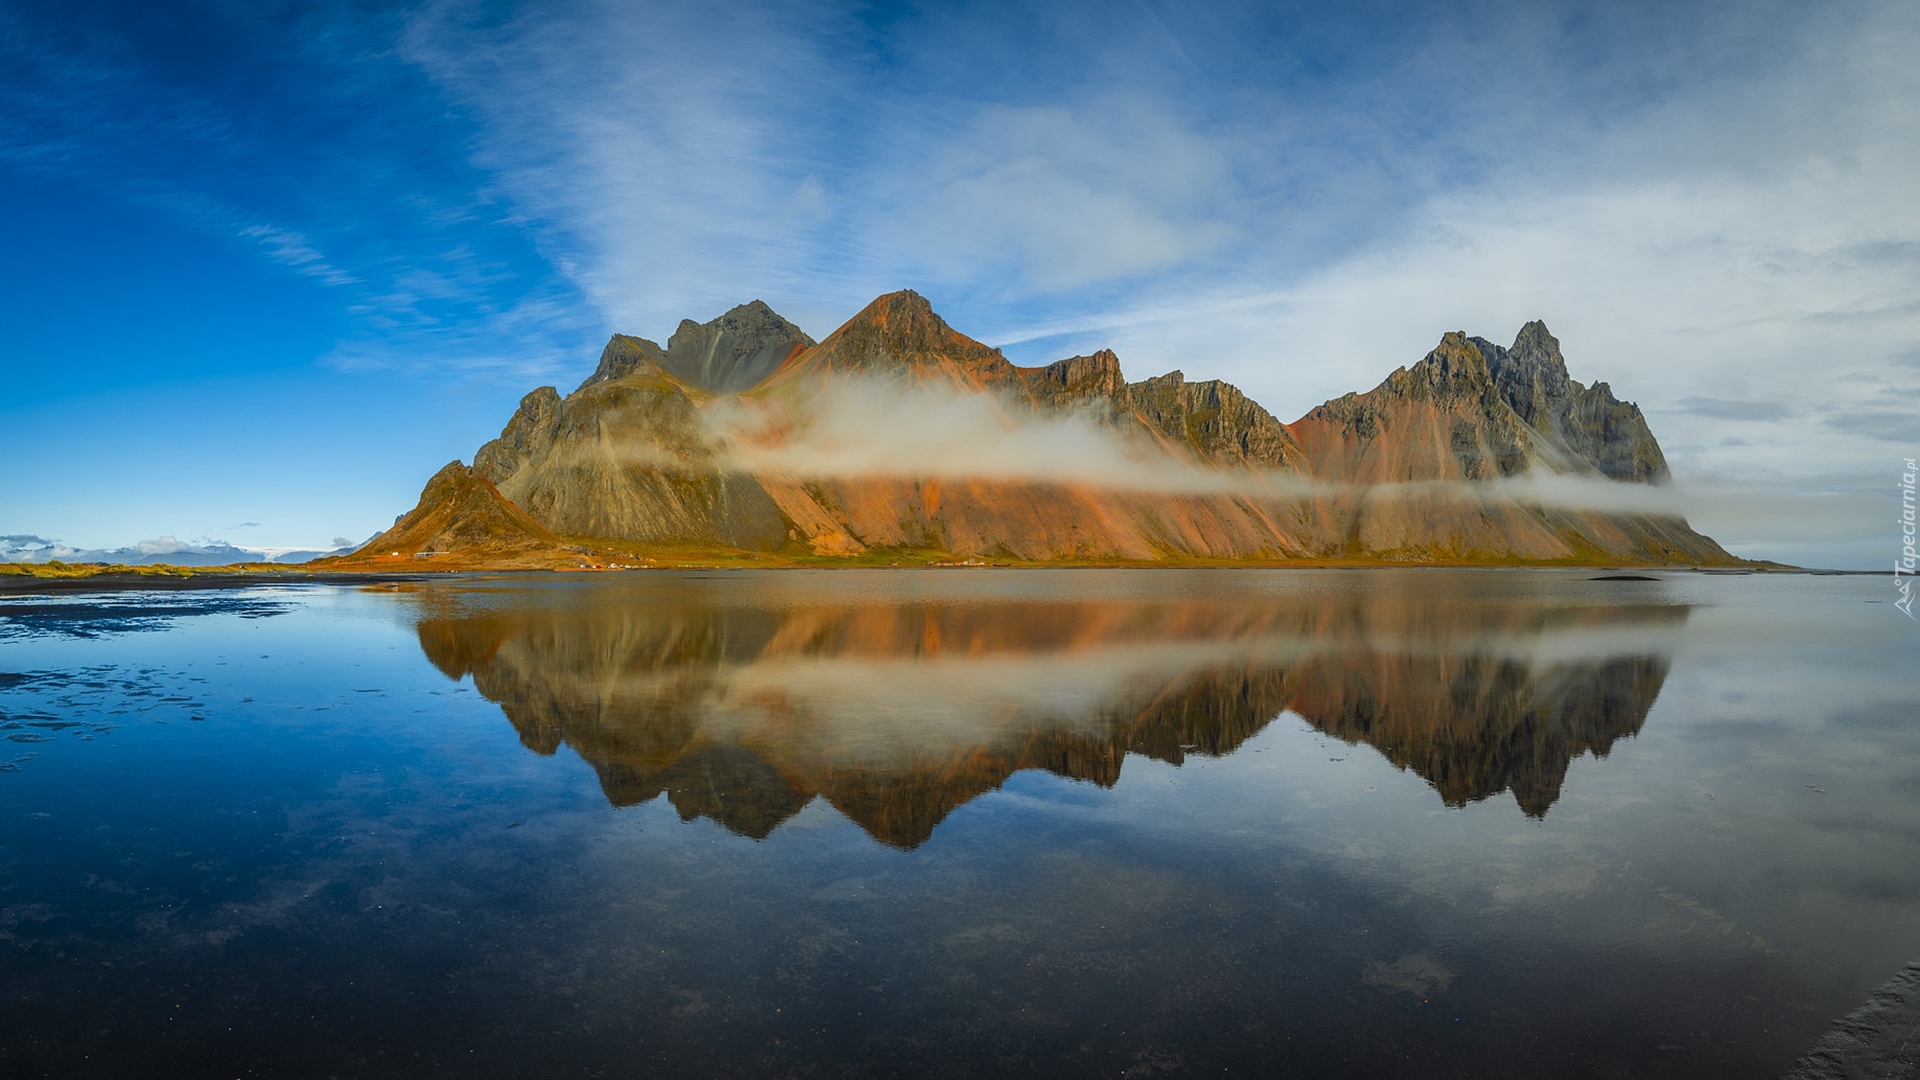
x,y
902,699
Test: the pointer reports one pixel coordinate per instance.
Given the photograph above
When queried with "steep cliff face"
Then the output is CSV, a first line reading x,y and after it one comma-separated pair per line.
x,y
1215,421
1441,419
1210,421
1079,382
1473,410
1588,423
1406,471
626,456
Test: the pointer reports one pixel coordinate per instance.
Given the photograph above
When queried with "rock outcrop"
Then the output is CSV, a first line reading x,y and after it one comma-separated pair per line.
x,y
1405,472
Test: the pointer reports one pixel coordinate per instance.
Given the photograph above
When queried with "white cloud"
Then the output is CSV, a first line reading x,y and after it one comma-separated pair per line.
x,y
867,427
665,156
1066,196
292,249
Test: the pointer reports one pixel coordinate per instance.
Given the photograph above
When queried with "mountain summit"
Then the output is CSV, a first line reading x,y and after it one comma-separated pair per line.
x,y
725,356
899,437
900,334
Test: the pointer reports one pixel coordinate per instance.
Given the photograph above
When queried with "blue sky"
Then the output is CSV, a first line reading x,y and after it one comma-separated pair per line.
x,y
266,266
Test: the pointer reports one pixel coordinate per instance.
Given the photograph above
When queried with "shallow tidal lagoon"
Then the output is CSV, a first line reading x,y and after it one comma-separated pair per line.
x,y
969,822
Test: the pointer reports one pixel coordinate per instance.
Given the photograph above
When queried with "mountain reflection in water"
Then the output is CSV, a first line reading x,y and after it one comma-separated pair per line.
x,y
742,702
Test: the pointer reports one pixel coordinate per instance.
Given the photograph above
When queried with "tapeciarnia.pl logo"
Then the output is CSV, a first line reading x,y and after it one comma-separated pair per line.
x,y
1903,567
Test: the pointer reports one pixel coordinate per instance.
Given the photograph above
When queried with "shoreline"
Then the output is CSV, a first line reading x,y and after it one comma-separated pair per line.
x,y
119,579
186,578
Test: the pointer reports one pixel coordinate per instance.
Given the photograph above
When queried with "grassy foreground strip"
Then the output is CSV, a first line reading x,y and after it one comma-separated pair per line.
x,y
64,570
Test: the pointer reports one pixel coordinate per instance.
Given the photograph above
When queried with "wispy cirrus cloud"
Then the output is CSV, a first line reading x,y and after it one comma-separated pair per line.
x,y
292,131
291,249
669,159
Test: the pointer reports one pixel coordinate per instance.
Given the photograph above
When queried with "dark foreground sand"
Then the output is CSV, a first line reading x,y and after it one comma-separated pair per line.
x,y
1879,1040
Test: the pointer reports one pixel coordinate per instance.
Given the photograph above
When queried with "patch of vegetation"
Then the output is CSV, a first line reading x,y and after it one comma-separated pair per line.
x,y
57,570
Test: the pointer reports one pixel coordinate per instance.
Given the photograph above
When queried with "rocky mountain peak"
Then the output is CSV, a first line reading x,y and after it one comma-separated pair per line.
x,y
1077,378
900,332
1532,375
1509,406
748,321
1534,340
904,325
1457,367
527,436
723,356
735,351
1214,420
1588,422
626,355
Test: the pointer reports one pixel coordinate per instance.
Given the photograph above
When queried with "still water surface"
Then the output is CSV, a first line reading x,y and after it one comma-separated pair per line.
x,y
1102,823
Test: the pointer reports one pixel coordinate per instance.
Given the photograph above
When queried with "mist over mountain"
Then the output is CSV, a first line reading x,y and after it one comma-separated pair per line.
x,y
898,434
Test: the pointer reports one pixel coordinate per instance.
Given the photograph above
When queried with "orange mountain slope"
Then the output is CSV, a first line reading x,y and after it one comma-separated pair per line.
x,y
461,521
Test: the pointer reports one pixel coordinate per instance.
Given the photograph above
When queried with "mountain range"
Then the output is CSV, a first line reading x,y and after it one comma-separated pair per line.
x,y
897,439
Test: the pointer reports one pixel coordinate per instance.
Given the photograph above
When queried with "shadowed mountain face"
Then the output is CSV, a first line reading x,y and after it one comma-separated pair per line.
x,y
642,454
742,701
1587,422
